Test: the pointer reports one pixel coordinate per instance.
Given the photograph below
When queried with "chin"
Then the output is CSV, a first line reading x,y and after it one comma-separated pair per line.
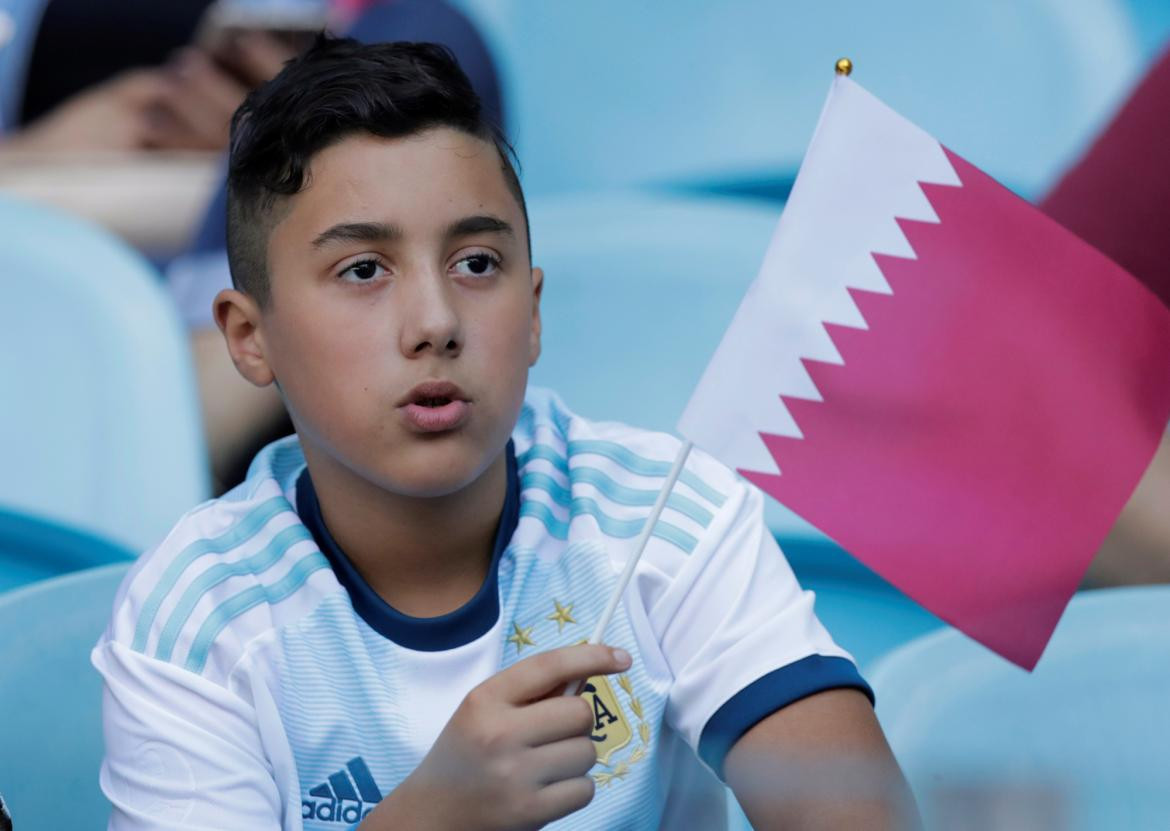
x,y
427,487
442,469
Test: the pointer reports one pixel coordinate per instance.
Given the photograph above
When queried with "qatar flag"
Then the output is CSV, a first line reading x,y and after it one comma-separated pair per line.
x,y
947,383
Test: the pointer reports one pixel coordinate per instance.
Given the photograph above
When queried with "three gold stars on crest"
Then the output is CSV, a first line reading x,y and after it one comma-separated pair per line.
x,y
522,635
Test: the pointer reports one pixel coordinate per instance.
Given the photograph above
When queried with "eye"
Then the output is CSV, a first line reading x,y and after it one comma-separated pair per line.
x,y
363,271
477,265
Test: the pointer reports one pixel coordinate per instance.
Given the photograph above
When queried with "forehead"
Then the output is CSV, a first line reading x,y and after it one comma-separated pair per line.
x,y
414,182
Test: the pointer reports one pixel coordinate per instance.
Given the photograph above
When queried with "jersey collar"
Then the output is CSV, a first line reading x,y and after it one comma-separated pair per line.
x,y
464,625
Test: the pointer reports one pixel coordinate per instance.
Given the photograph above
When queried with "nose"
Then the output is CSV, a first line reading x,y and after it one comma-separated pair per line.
x,y
431,321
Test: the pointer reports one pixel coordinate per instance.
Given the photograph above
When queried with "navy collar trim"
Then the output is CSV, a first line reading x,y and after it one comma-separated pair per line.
x,y
433,634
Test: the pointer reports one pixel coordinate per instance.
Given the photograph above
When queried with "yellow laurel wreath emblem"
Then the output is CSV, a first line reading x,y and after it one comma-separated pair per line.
x,y
622,769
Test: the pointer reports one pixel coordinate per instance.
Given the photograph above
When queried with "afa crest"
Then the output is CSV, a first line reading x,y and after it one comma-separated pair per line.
x,y
614,731
612,728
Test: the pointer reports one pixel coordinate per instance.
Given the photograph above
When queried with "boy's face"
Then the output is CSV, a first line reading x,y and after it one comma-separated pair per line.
x,y
404,312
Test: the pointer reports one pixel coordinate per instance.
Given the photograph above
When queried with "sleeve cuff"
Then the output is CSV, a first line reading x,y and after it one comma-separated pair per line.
x,y
769,693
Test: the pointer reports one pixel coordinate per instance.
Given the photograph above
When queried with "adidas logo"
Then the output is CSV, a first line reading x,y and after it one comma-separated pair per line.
x,y
346,796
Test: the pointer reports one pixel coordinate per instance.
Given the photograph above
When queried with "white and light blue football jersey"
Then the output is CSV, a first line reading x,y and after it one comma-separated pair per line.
x,y
254,680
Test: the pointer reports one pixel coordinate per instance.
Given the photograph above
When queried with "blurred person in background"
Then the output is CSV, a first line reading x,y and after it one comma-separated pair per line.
x,y
144,77
1117,198
135,78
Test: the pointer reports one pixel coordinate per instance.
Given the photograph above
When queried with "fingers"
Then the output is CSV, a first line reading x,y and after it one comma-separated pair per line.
x,y
550,671
138,87
562,798
558,761
203,97
259,56
220,92
553,719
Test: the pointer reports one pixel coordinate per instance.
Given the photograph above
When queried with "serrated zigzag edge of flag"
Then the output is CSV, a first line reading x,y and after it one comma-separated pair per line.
x,y
845,206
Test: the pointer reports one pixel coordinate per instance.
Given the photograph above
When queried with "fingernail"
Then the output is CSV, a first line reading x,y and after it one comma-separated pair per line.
x,y
622,657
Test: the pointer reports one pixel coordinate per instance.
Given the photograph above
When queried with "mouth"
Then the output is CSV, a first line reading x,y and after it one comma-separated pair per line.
x,y
435,407
433,394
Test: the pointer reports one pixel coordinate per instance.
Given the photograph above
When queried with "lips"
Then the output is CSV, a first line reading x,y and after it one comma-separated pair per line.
x,y
435,407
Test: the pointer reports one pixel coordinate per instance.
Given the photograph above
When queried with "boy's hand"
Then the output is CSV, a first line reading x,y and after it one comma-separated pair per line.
x,y
516,753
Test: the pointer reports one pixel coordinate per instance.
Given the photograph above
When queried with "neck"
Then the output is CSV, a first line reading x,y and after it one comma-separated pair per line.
x,y
425,556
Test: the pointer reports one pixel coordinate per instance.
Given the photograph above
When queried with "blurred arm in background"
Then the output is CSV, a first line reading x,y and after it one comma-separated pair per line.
x,y
1137,549
185,104
111,116
1117,198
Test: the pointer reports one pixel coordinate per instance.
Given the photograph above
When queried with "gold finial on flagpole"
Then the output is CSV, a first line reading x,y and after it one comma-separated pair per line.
x,y
844,66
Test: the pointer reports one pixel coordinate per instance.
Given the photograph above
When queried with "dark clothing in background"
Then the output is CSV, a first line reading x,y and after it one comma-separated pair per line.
x,y
1117,197
83,42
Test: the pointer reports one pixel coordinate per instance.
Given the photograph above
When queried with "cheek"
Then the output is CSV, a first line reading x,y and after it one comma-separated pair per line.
x,y
508,334
504,351
324,362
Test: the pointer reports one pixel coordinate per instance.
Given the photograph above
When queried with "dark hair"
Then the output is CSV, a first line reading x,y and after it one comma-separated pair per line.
x,y
337,88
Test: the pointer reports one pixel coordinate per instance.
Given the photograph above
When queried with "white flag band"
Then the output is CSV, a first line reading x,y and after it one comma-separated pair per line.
x,y
863,168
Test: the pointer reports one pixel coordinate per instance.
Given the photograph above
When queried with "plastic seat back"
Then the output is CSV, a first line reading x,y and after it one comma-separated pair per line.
x,y
638,292
1081,743
51,700
100,424
610,93
33,548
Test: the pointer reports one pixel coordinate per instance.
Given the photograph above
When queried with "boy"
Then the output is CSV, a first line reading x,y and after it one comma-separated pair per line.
x,y
377,626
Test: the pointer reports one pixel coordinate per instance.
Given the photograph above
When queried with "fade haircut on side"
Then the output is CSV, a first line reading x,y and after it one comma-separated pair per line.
x,y
336,89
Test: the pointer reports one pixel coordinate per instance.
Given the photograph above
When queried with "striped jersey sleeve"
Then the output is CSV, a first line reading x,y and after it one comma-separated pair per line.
x,y
188,719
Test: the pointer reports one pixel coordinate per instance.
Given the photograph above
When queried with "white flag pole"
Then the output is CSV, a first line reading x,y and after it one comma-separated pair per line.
x,y
643,538
639,546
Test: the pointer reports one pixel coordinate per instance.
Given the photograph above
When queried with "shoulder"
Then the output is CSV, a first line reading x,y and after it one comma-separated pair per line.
x,y
231,570
607,475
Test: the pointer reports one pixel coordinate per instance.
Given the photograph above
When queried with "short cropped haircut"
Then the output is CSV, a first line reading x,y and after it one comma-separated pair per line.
x,y
336,89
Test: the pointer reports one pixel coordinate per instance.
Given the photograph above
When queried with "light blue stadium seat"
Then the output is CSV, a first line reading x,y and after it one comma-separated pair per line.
x,y
1083,743
638,292
1151,20
864,613
33,548
51,700
609,93
19,21
100,425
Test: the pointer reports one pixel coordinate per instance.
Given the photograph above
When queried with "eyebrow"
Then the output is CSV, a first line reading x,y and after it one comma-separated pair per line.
x,y
358,232
383,232
479,225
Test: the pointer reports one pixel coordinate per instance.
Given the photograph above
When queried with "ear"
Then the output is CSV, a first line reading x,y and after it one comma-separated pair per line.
x,y
238,317
534,336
